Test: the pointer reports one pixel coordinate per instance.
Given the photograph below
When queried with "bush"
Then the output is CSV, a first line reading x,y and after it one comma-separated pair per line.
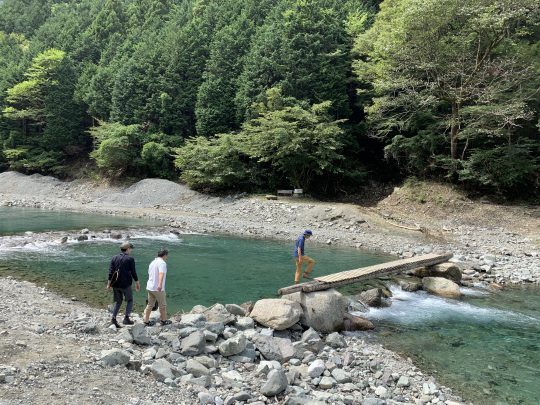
x,y
213,164
35,160
157,159
507,170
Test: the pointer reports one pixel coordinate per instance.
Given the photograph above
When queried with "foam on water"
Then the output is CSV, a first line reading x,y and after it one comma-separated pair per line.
x,y
410,308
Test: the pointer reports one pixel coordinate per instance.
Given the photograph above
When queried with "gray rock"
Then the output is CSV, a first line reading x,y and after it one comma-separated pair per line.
x,y
276,383
206,361
410,285
322,310
326,383
80,238
316,368
196,368
403,381
312,340
125,335
276,313
215,327
233,346
341,376
235,309
193,344
244,323
381,391
248,355
335,340
218,313
203,381
114,357
186,331
372,298
205,398
273,348
441,286
373,401
140,334
162,369
193,320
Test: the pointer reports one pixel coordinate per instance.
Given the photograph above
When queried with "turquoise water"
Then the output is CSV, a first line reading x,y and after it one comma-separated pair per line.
x,y
17,220
486,345
201,269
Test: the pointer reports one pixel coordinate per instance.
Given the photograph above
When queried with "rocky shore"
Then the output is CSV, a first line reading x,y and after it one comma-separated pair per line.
x,y
57,350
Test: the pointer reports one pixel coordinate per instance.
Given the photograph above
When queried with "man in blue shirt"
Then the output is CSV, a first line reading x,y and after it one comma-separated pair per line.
x,y
300,258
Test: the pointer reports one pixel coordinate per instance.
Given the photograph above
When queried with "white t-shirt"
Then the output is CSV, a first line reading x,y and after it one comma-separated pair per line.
x,y
157,266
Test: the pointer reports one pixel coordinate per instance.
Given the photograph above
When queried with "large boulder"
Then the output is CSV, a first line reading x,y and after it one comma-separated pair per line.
x,y
322,310
353,323
276,313
372,298
447,270
441,286
140,334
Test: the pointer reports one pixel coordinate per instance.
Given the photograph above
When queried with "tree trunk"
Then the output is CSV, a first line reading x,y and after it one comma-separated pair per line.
x,y
454,130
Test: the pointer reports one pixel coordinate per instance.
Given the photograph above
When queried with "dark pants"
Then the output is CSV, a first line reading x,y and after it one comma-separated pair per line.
x,y
119,294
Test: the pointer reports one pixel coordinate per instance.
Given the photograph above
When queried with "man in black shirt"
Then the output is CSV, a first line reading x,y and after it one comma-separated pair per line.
x,y
121,275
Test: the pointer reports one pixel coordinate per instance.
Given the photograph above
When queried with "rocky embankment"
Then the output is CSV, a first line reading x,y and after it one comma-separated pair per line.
x,y
56,350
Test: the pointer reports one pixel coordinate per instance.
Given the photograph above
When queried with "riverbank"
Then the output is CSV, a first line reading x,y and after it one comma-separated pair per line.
x,y
493,243
59,350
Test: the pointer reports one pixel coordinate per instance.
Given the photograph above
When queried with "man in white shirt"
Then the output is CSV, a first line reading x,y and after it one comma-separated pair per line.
x,y
157,274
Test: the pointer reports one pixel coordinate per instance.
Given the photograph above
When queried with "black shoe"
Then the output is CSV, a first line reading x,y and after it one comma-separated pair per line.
x,y
115,323
128,321
166,322
150,323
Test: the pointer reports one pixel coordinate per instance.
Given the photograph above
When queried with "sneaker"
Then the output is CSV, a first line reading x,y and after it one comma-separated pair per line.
x,y
150,323
128,321
115,323
166,322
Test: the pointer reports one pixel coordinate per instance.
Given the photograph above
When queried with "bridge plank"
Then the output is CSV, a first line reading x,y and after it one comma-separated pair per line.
x,y
353,276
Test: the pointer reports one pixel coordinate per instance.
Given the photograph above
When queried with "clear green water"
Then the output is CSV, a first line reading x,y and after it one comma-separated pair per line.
x,y
486,345
201,269
17,220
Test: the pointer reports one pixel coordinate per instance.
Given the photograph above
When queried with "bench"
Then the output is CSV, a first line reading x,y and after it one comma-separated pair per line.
x,y
285,192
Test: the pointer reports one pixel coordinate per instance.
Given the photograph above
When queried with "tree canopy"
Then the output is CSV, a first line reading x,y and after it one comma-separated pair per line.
x,y
253,95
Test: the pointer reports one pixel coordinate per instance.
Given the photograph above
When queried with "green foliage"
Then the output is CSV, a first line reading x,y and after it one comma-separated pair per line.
x,y
117,148
213,164
509,169
299,143
157,158
437,86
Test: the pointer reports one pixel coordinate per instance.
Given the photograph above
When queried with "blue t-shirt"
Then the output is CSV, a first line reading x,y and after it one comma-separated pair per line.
x,y
299,244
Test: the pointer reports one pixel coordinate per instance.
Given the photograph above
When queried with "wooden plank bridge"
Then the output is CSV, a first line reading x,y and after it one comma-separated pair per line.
x,y
364,273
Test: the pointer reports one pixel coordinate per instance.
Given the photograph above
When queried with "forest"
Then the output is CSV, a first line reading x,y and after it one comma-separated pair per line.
x,y
254,95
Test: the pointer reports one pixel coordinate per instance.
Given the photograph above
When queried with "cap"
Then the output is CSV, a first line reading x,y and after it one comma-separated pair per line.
x,y
126,246
308,232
